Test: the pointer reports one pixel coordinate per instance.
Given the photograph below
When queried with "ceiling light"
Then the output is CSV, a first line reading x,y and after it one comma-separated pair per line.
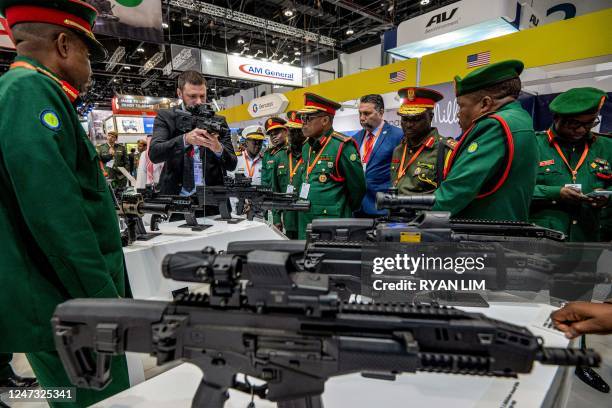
x,y
308,70
127,68
240,41
288,13
424,2
350,31
140,50
213,89
164,25
297,53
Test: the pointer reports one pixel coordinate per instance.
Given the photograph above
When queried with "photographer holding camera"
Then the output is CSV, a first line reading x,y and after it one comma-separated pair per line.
x,y
191,155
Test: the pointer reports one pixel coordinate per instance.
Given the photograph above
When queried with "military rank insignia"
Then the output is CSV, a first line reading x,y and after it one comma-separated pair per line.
x,y
50,120
410,94
322,178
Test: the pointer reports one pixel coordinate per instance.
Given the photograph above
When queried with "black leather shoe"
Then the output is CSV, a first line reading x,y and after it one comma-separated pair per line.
x,y
592,379
16,381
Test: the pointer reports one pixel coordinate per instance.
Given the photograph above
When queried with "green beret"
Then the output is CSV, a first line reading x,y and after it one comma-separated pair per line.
x,y
577,101
489,75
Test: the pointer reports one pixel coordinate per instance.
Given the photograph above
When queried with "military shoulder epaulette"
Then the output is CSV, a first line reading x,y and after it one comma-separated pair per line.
x,y
599,134
341,137
450,142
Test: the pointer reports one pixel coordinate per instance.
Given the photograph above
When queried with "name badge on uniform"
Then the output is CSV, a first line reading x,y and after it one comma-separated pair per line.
x,y
577,187
290,189
304,191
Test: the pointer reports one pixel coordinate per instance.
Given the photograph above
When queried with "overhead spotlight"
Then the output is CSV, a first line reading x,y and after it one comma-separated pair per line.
x,y
350,31
424,2
140,50
164,25
288,13
213,89
297,53
127,67
240,41
308,70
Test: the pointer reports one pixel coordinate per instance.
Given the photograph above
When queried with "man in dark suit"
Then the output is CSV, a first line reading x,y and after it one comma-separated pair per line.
x,y
195,158
376,143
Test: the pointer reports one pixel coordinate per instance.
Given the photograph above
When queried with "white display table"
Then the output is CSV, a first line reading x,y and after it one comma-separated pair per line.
x,y
143,258
176,387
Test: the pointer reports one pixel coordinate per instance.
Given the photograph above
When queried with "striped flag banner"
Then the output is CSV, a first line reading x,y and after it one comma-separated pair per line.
x,y
477,60
397,76
5,40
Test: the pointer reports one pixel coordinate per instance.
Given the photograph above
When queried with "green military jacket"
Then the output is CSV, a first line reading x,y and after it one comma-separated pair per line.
x,y
269,163
479,162
337,182
282,179
58,226
119,159
423,173
581,223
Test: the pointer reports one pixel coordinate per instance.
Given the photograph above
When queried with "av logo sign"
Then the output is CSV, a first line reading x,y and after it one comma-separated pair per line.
x,y
442,17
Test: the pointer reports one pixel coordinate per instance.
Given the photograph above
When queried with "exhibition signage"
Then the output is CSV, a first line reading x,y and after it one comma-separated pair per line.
x,y
263,71
141,105
268,105
135,19
457,24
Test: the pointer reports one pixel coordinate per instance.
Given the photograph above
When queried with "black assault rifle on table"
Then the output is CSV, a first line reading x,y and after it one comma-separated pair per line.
x,y
130,206
251,199
287,329
521,256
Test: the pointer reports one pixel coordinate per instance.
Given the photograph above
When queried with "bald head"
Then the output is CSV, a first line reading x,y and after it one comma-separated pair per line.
x,y
60,49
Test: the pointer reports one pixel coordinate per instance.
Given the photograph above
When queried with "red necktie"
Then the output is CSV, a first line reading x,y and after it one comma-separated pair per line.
x,y
367,151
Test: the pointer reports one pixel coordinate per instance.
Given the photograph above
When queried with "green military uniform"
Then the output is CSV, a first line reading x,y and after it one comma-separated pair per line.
x,y
119,159
481,181
417,165
333,175
580,222
289,170
422,175
269,156
58,227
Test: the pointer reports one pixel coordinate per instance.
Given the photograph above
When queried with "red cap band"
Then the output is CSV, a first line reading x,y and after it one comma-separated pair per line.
x,y
419,101
326,108
37,14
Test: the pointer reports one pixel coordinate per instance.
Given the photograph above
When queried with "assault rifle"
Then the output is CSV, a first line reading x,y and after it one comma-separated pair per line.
x,y
251,199
287,329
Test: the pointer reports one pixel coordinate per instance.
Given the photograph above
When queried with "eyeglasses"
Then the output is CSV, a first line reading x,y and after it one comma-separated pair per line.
x,y
576,124
307,118
412,119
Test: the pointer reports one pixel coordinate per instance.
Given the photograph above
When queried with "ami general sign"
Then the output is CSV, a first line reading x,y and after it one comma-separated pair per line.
x,y
263,71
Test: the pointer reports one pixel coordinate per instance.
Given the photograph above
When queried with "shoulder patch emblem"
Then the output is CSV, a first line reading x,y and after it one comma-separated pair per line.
x,y
50,119
353,157
473,147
